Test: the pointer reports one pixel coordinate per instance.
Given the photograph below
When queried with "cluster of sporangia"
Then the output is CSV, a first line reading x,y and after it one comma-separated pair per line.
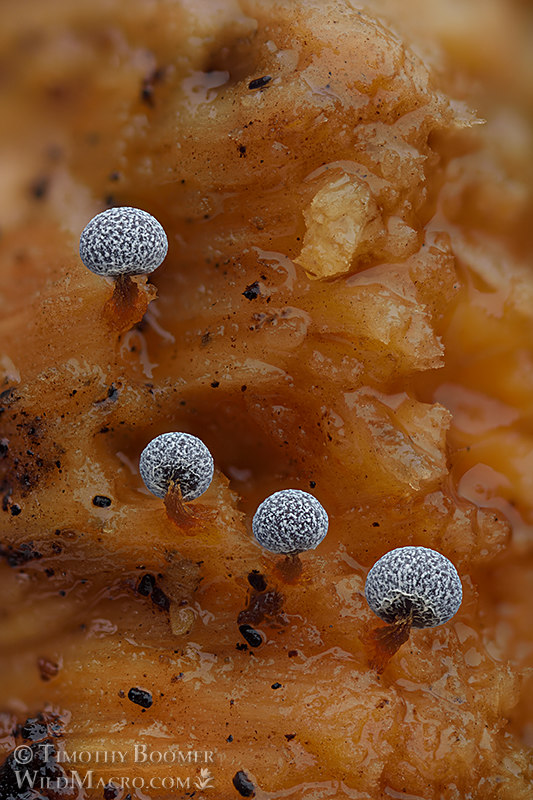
x,y
407,587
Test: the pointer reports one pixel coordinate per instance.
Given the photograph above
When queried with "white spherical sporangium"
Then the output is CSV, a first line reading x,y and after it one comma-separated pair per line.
x,y
180,458
290,521
123,241
414,581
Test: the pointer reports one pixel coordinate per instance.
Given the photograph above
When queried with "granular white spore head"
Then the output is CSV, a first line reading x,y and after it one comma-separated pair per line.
x,y
178,458
414,582
290,521
123,241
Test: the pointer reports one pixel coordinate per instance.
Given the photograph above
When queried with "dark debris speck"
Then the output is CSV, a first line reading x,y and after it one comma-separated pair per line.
x,y
252,636
111,791
140,697
252,291
101,501
146,585
257,580
243,784
258,83
160,599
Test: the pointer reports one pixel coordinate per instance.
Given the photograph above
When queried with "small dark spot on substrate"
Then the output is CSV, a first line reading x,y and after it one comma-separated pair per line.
x,y
147,90
215,384
289,736
258,83
146,585
112,392
15,557
39,187
243,388
252,291
257,581
276,685
101,501
230,738
312,484
111,791
140,697
15,510
4,447
6,395
243,784
252,636
241,646
292,653
375,524
160,599
242,151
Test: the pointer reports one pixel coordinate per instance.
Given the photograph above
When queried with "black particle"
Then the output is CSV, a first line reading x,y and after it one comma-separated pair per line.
x,y
289,736
112,392
230,738
101,501
39,188
21,555
4,447
15,510
146,585
242,151
243,388
160,599
140,697
252,291
292,653
241,646
252,636
276,685
111,791
258,83
215,384
312,484
257,581
243,784
375,524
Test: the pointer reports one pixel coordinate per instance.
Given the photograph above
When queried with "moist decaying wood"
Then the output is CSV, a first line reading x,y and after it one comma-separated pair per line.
x,y
346,308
